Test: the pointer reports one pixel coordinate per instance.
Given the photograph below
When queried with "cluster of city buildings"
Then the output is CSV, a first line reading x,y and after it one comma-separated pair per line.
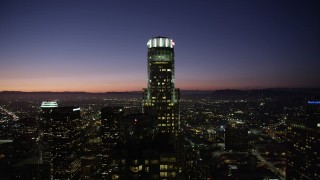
x,y
154,144
135,146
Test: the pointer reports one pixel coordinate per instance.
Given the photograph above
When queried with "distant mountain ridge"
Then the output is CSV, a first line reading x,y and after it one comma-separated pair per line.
x,y
315,91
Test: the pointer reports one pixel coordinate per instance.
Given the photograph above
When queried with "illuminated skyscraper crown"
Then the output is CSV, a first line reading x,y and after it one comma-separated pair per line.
x,y
160,42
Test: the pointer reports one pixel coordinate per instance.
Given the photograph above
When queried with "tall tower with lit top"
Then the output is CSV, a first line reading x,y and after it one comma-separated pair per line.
x,y
161,99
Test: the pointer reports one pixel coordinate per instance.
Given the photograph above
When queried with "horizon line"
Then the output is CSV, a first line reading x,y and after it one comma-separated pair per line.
x,y
244,89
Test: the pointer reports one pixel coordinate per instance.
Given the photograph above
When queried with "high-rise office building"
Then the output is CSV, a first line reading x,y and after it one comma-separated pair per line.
x,y
45,129
66,142
161,99
149,145
45,135
236,136
60,139
110,131
303,134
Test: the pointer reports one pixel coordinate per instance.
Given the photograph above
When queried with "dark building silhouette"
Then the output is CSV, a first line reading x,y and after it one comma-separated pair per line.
x,y
303,134
137,127
67,144
236,136
45,134
161,98
110,130
144,153
194,166
30,168
60,136
45,127
25,149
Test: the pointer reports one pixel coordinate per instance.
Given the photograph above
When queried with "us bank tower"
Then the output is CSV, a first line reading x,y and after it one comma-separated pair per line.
x,y
161,99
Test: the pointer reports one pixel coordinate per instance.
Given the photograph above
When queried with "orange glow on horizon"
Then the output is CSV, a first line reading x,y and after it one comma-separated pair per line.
x,y
123,84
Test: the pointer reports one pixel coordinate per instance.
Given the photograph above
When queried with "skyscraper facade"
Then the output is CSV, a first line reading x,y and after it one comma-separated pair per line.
x,y
60,140
110,132
45,134
161,99
66,142
146,146
303,133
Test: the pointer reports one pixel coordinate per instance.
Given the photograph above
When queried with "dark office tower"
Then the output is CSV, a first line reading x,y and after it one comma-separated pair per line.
x,y
161,99
110,130
236,136
45,134
303,134
144,154
66,142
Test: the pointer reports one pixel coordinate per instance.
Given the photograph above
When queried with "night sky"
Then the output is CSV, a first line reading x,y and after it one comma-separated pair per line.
x,y
100,46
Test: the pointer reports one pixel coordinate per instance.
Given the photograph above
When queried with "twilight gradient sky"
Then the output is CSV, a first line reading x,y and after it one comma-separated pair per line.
x,y
99,46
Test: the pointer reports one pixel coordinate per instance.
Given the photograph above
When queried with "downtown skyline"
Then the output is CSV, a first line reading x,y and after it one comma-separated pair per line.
x,y
101,46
